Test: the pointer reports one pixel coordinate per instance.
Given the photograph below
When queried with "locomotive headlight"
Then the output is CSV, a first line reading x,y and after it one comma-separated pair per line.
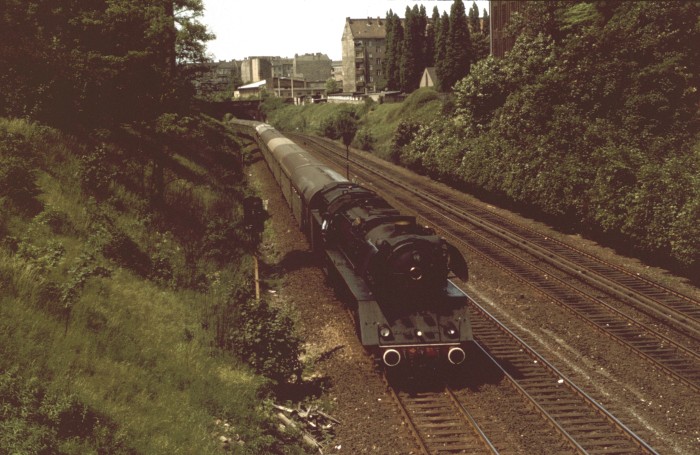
x,y
451,331
384,332
415,273
419,333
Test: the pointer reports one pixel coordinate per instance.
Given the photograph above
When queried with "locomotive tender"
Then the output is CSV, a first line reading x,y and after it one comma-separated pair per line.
x,y
392,272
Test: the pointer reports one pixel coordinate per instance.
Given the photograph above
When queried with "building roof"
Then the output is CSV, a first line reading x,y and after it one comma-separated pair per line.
x,y
254,85
367,28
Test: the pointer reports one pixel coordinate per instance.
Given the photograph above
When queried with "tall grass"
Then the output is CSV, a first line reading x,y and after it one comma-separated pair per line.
x,y
111,314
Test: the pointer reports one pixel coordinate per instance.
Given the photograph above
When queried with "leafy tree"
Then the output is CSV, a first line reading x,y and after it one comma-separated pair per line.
x,y
104,62
332,86
346,124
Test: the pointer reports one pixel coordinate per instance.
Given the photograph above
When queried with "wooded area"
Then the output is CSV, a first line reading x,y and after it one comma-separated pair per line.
x,y
450,43
591,120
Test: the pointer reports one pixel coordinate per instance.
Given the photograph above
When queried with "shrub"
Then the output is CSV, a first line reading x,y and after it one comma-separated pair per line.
x,y
96,173
35,420
120,248
17,185
58,222
264,338
364,140
405,132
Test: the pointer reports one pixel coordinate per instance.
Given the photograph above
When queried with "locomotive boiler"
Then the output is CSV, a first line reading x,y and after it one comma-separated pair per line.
x,y
391,271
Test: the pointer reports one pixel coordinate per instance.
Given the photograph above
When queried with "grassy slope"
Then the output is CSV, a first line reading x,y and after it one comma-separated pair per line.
x,y
380,120
132,367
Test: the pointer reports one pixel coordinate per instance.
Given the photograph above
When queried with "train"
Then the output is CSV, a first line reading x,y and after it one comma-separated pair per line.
x,y
392,272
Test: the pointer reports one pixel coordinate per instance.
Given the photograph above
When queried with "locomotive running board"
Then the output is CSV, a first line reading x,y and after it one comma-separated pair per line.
x,y
369,314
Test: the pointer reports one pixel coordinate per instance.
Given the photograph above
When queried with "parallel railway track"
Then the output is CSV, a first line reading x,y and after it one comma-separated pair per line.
x,y
441,422
484,233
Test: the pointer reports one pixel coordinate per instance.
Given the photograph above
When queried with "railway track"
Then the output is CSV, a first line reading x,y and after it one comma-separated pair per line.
x,y
442,424
485,237
648,296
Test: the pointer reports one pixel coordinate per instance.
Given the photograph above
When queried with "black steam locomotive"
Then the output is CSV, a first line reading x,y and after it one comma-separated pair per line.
x,y
392,271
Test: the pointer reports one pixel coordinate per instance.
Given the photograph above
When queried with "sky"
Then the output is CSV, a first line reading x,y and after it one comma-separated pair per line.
x,y
283,28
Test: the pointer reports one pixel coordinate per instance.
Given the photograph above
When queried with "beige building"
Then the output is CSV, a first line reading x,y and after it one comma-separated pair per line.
x,y
364,49
283,87
254,69
313,67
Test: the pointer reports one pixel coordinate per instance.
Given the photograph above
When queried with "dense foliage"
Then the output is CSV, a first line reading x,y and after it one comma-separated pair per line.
x,y
415,43
125,267
591,119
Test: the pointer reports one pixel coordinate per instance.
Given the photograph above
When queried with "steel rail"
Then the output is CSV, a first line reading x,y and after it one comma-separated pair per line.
x,y
660,358
686,318
555,374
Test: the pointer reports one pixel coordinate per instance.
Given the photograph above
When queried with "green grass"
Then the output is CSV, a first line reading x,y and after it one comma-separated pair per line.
x,y
381,120
98,356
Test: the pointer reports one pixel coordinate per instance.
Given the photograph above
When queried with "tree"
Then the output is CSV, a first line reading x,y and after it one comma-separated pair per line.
x,y
332,86
474,23
346,125
430,38
410,51
104,62
394,40
441,40
459,46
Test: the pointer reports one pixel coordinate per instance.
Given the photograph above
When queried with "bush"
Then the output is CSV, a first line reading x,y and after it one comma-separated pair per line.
x,y
17,185
96,173
364,140
35,420
58,222
120,248
264,338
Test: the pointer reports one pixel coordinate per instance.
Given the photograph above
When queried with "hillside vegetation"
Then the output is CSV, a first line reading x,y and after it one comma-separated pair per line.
x,y
120,319
128,323
590,122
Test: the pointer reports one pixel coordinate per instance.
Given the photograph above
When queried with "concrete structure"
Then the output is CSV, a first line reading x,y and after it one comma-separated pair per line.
x,y
282,67
364,49
283,87
254,69
429,77
313,67
338,71
500,14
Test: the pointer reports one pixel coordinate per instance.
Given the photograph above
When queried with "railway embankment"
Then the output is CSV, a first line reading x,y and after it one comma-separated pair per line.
x,y
127,321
